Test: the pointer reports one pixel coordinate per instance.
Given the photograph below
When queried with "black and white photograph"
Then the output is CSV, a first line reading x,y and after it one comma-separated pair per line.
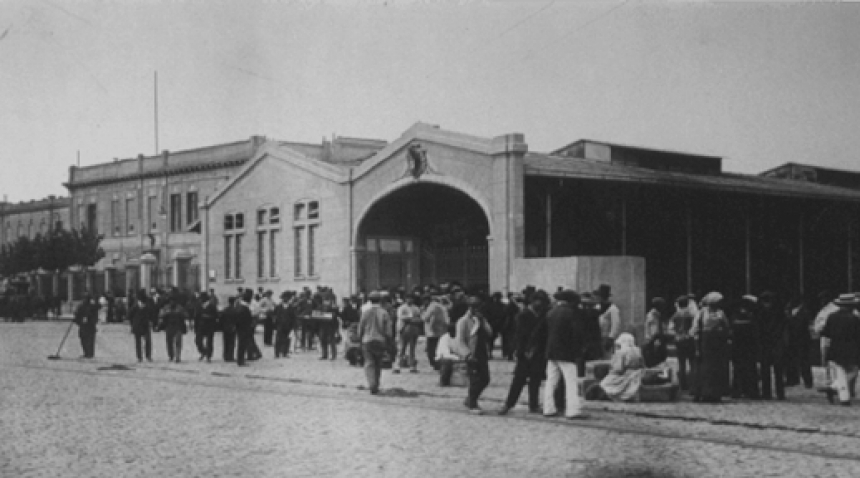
x,y
413,238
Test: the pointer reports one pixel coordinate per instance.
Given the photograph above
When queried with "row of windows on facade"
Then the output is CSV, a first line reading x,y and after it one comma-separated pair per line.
x,y
306,222
123,221
29,230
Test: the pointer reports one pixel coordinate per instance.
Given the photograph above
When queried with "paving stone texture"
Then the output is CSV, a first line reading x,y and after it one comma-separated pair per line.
x,y
304,417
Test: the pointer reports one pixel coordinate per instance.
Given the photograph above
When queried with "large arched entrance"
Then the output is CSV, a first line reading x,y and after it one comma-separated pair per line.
x,y
423,234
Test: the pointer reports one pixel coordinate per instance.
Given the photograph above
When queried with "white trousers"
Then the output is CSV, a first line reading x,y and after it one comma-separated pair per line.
x,y
573,398
842,379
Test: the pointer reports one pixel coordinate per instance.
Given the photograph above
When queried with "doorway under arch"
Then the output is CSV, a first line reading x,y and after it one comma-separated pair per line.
x,y
421,234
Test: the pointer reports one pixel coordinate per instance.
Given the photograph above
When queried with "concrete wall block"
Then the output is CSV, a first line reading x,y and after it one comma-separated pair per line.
x,y
626,276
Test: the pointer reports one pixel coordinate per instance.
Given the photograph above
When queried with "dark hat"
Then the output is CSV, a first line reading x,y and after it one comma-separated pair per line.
x,y
587,298
567,295
847,300
604,291
658,301
375,295
540,295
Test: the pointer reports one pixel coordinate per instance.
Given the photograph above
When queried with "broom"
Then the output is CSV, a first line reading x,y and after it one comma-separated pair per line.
x,y
57,355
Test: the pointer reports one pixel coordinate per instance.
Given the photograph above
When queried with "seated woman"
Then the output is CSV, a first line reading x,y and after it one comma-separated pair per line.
x,y
625,374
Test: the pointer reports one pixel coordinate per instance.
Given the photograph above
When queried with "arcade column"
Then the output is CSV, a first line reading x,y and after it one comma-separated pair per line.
x,y
507,221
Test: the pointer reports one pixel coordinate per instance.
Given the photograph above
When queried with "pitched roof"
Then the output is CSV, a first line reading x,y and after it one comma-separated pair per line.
x,y
537,164
285,154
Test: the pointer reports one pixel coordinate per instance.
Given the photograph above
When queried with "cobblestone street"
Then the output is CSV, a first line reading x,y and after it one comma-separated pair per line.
x,y
306,417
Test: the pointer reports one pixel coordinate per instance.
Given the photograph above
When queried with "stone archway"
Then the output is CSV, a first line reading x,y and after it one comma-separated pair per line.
x,y
421,233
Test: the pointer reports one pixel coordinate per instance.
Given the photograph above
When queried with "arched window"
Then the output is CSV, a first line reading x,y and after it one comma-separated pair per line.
x,y
306,223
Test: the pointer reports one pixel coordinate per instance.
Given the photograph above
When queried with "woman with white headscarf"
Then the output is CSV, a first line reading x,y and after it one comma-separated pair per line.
x,y
711,332
622,382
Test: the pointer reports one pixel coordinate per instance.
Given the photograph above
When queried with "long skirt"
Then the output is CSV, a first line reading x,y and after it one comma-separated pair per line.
x,y
711,367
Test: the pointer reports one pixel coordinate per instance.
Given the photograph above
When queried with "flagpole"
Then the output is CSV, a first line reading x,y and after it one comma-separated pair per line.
x,y
156,110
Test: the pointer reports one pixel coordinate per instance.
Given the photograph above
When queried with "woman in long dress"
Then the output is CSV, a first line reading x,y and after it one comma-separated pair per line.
x,y
711,332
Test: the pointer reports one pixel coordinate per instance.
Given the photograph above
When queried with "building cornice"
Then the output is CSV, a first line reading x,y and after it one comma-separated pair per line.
x,y
170,172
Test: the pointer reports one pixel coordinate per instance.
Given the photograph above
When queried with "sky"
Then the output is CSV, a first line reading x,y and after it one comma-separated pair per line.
x,y
759,84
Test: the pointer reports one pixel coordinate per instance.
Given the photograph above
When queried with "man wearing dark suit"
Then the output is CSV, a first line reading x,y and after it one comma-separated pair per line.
x,y
142,317
86,317
207,317
228,329
531,355
565,332
244,328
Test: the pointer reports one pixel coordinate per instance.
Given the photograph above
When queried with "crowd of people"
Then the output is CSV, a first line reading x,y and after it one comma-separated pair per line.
x,y
752,348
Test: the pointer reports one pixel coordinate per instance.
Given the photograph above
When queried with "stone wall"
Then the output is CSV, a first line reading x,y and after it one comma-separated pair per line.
x,y
273,182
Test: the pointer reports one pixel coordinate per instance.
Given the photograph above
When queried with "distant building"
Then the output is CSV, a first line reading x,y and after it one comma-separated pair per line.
x,y
32,218
29,219
815,174
150,205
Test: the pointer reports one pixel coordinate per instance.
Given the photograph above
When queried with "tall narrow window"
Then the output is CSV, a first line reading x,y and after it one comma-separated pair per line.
x,y
312,232
233,245
114,218
92,218
238,256
130,216
175,213
228,259
299,233
273,253
192,212
151,213
306,222
261,254
267,227
82,217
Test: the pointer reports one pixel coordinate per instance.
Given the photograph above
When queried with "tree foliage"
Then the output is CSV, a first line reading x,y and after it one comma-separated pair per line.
x,y
55,251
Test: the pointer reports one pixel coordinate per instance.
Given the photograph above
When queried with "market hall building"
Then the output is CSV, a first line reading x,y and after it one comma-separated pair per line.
x,y
437,206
